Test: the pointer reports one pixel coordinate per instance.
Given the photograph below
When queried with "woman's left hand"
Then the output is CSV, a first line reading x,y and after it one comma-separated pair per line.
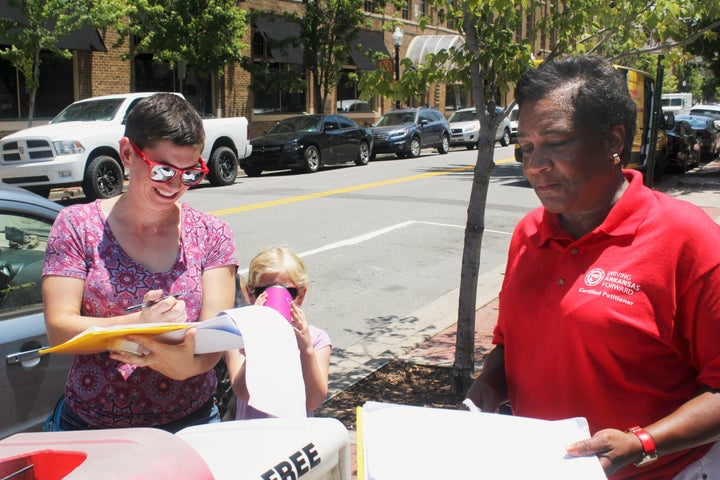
x,y
174,361
614,448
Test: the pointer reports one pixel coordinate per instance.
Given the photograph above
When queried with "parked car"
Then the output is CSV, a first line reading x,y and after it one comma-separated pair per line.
x,y
79,147
406,131
31,384
465,128
707,110
308,143
707,133
513,117
356,106
683,151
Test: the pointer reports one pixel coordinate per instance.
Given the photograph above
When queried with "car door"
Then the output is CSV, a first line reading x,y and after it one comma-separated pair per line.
x,y
332,138
430,128
30,385
349,142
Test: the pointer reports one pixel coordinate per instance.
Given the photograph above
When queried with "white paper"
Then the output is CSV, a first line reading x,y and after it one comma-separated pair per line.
x,y
213,335
273,372
404,442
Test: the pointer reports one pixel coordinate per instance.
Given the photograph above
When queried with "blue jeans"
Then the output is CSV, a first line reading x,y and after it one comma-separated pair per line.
x,y
63,419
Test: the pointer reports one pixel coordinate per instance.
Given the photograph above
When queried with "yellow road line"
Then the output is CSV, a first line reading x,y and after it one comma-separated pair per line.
x,y
353,188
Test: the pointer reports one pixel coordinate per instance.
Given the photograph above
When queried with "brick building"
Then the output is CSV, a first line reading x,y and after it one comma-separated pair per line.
x,y
97,68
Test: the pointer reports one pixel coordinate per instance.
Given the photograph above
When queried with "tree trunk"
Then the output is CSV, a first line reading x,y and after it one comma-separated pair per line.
x,y
464,365
34,81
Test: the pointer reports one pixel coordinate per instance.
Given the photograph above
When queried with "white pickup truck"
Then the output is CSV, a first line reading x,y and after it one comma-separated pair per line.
x,y
79,147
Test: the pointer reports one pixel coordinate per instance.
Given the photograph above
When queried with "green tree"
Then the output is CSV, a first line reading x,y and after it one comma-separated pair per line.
x,y
327,29
205,35
38,28
493,59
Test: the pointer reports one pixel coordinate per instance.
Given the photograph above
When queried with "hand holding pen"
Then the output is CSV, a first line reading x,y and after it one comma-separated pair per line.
x,y
152,302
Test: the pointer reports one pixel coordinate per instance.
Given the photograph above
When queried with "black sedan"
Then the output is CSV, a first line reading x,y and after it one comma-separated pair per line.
x,y
707,133
683,151
307,143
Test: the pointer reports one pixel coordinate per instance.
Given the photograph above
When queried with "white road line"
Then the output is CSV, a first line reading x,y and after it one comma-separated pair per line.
x,y
376,233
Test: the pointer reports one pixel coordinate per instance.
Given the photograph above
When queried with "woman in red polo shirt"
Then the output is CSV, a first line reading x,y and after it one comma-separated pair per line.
x,y
620,318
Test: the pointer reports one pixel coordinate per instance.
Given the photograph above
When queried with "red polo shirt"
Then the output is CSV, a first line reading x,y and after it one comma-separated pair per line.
x,y
621,326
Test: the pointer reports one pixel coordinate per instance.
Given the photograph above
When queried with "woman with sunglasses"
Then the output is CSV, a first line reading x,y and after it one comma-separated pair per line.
x,y
281,266
106,257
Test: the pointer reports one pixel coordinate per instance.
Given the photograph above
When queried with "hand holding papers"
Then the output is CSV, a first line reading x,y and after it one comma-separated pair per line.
x,y
273,372
399,441
214,335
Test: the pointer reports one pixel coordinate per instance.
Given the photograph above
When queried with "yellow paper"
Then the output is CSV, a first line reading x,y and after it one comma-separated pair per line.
x,y
96,339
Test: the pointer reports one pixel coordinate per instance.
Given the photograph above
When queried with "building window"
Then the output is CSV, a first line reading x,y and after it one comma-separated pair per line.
x,y
258,45
369,6
269,100
153,76
54,93
404,10
450,18
422,7
518,30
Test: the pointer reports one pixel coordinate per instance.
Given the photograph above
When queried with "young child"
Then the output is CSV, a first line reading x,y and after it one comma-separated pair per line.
x,y
281,266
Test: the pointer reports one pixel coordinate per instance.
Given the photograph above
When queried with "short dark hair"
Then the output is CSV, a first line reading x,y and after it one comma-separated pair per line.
x,y
601,98
164,116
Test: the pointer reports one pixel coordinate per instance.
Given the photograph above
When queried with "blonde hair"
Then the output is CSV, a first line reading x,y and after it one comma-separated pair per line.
x,y
277,260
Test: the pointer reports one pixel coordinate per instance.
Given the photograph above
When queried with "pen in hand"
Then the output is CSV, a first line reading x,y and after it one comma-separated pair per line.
x,y
152,302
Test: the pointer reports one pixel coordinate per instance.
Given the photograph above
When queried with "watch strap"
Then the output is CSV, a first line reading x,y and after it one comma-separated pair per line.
x,y
648,445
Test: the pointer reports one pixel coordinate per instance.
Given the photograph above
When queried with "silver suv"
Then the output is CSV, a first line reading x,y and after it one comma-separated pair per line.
x,y
465,128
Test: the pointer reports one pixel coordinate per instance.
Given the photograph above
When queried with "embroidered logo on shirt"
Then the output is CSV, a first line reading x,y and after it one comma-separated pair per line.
x,y
613,285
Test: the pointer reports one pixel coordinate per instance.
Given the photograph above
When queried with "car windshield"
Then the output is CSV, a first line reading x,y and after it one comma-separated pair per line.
x,y
695,122
91,111
466,116
302,124
396,118
706,113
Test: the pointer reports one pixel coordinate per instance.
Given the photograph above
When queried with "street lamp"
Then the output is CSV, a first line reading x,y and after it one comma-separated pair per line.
x,y
397,38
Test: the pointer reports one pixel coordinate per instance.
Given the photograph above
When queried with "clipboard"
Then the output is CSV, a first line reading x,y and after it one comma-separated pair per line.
x,y
214,335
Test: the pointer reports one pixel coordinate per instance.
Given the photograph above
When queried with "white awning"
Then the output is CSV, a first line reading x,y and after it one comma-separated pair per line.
x,y
423,45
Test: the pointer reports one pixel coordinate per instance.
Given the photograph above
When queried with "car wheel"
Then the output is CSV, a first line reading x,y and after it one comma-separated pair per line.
x,y
225,399
223,167
363,154
103,178
414,148
312,159
372,157
444,145
469,146
251,171
505,139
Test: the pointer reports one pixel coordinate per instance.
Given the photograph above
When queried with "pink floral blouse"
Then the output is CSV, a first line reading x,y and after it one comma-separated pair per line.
x,y
81,245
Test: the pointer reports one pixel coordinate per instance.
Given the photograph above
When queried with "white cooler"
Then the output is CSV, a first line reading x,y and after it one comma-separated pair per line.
x,y
273,448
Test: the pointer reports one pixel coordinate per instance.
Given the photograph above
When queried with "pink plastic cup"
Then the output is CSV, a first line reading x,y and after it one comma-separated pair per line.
x,y
280,299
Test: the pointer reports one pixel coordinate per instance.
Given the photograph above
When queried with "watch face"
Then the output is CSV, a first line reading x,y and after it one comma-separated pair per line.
x,y
647,460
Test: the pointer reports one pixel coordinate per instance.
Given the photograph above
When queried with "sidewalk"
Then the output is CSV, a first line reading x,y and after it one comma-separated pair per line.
x,y
434,344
